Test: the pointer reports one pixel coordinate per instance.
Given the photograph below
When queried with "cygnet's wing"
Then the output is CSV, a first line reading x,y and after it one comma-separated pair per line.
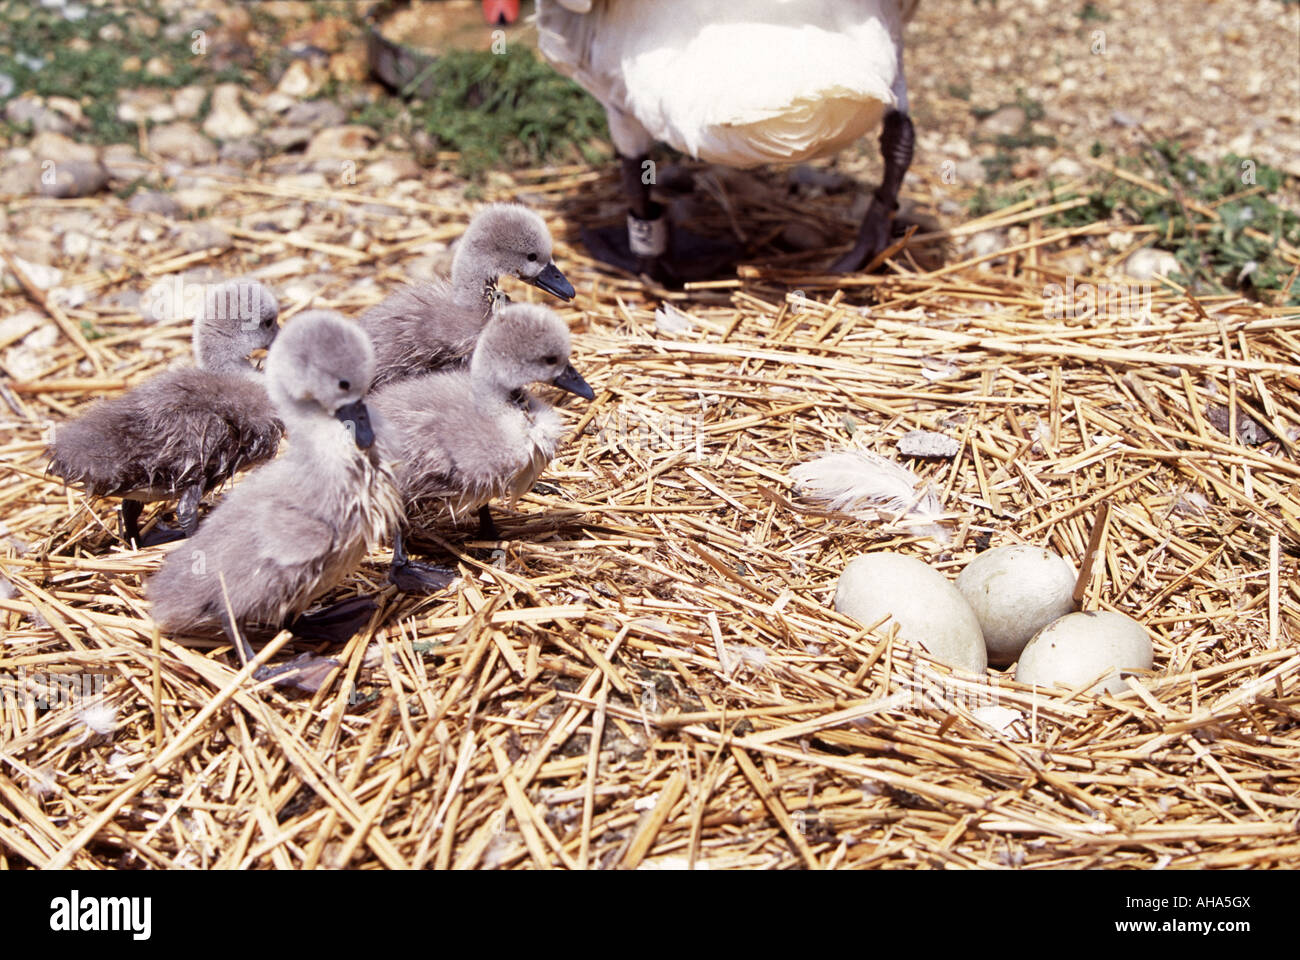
x,y
449,445
420,328
183,427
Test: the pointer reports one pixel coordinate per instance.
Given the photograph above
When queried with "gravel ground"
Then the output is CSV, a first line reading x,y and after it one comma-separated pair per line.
x,y
1217,77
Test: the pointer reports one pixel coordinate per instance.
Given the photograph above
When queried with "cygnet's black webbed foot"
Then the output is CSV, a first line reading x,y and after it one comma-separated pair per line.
x,y
335,623
187,510
305,672
897,138
161,533
419,579
688,256
129,511
411,576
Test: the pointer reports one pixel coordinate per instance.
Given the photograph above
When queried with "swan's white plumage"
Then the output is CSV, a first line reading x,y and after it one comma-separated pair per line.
x,y
854,479
763,81
858,480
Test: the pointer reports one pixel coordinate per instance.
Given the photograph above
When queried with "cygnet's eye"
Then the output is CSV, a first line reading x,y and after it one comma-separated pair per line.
x,y
532,258
551,360
344,384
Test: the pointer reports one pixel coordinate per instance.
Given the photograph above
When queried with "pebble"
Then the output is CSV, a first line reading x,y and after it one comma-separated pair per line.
x,y
277,102
69,108
970,171
145,103
196,199
390,170
342,142
59,148
1148,262
180,141
1066,168
926,443
1004,121
41,275
956,148
154,202
24,110
188,101
203,236
315,114
18,325
351,66
985,242
287,139
122,162
69,298
29,358
300,80
124,233
228,119
73,178
241,153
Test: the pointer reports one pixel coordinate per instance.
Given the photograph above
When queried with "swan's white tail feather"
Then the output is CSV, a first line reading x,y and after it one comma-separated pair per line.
x,y
855,480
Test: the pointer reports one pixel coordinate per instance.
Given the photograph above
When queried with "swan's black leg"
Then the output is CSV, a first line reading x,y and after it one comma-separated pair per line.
x,y
897,138
648,244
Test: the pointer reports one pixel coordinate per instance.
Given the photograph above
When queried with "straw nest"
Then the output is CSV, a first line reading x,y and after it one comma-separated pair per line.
x,y
647,672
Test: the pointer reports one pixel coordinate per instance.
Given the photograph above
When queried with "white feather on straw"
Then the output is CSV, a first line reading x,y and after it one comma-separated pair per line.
x,y
854,480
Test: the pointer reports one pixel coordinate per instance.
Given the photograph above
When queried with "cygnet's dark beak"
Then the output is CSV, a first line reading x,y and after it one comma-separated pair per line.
x,y
572,381
553,282
357,418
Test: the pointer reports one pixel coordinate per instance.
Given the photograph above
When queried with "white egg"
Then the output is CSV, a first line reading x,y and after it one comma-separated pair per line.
x,y
929,610
1078,647
1015,591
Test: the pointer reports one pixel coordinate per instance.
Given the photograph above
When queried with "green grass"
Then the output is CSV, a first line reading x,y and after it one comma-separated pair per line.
x,y
75,62
998,167
1221,259
509,110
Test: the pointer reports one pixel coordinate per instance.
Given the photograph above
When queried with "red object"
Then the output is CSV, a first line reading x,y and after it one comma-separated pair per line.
x,y
500,12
